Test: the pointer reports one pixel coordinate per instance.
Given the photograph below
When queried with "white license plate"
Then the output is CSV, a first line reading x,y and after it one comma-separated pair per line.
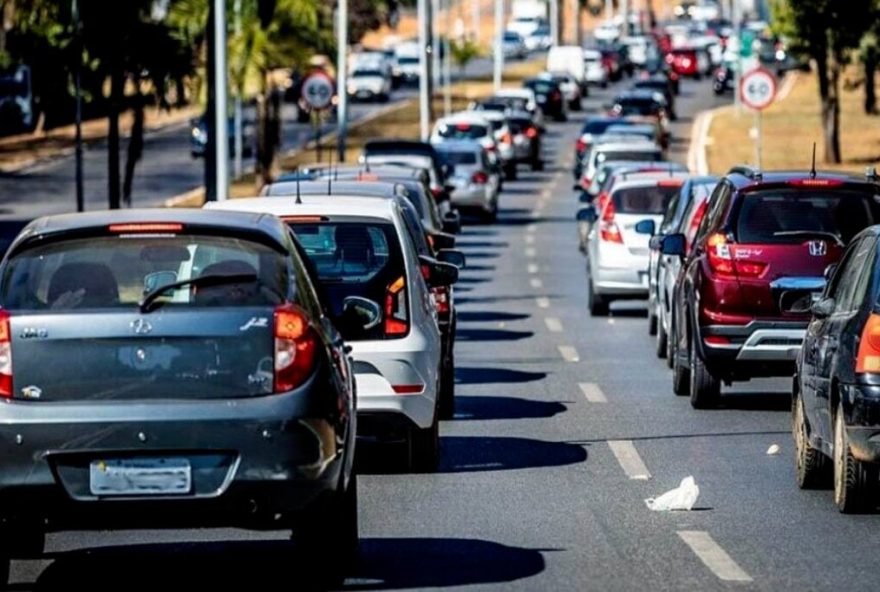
x,y
541,98
140,476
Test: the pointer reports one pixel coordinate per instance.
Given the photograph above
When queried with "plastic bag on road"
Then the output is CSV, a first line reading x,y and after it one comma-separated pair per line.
x,y
682,497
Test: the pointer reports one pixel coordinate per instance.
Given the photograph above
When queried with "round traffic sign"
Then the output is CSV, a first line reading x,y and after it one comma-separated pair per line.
x,y
757,89
317,90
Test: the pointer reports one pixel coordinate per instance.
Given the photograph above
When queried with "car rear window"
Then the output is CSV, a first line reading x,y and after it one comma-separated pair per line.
x,y
635,155
458,157
352,258
542,87
627,107
463,131
597,126
789,216
119,271
643,200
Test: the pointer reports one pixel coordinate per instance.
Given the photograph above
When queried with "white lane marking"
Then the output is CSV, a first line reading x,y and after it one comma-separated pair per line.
x,y
536,283
569,354
530,252
530,239
628,458
532,268
542,302
610,321
592,392
545,193
553,324
715,558
531,228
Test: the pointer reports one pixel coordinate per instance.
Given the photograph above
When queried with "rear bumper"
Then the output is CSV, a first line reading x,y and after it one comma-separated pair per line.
x,y
629,279
254,462
471,198
862,419
761,348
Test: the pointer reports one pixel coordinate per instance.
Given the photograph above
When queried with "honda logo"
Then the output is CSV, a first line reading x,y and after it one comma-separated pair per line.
x,y
818,248
141,327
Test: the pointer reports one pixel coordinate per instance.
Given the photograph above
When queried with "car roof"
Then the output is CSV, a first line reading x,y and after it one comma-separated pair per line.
x,y
650,179
478,117
634,146
460,145
525,93
312,205
332,188
636,93
744,176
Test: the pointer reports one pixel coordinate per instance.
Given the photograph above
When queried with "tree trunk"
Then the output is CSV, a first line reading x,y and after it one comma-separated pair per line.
x,y
268,133
135,148
829,79
117,83
870,64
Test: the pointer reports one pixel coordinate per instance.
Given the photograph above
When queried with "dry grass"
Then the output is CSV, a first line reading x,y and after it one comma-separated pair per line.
x,y
789,129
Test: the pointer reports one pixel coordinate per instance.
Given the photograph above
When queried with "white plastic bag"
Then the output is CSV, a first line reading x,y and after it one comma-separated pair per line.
x,y
682,497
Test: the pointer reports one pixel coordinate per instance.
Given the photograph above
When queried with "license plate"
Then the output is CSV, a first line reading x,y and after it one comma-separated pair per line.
x,y
140,476
643,276
541,98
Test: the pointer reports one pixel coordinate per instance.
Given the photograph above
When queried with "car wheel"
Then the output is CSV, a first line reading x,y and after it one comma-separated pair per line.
x,y
596,303
670,345
424,447
510,171
705,389
575,105
652,319
853,479
810,464
447,390
681,375
662,339
537,164
605,84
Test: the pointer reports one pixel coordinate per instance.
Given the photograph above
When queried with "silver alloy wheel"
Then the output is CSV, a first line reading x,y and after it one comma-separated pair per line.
x,y
800,434
839,455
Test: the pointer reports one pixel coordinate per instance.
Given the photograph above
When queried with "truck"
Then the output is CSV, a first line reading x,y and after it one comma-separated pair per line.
x,y
527,16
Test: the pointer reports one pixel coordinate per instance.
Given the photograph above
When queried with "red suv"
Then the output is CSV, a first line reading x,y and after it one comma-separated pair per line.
x,y
758,260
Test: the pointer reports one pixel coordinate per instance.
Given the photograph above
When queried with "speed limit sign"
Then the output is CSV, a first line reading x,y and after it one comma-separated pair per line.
x,y
317,90
757,89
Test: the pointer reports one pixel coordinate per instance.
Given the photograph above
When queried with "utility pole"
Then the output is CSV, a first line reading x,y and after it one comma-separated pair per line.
x,y
499,44
342,80
447,60
609,10
476,7
737,72
435,44
424,55
238,148
554,21
80,196
217,153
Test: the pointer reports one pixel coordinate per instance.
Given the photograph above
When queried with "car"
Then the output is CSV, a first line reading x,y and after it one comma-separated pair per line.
x,y
643,131
569,59
526,139
367,249
474,125
834,390
757,261
410,68
571,89
504,141
617,253
641,49
527,25
369,84
539,39
683,215
592,128
212,392
549,97
628,150
198,137
520,99
412,154
689,62
513,45
607,31
595,73
661,85
643,105
475,180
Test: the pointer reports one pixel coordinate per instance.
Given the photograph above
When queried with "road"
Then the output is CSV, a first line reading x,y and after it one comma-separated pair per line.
x,y
166,169
565,424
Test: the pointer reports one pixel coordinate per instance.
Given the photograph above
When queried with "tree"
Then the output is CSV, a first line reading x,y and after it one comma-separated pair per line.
x,y
464,52
826,31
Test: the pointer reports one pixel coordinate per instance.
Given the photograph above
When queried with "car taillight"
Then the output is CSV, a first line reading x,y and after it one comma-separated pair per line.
x,y
556,95
436,191
580,145
608,230
601,200
531,132
506,138
295,348
718,252
5,356
480,178
441,298
816,183
685,63
868,358
396,315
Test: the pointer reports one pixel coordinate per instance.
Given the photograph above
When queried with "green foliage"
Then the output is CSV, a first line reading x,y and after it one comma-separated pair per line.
x,y
463,52
819,27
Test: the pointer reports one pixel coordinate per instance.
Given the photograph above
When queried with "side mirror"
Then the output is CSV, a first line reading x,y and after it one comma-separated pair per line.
x,y
442,240
452,222
449,189
587,214
437,273
452,257
577,187
360,314
674,244
823,308
829,271
648,227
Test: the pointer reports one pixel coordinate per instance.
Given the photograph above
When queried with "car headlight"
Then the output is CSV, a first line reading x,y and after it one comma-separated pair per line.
x,y
196,132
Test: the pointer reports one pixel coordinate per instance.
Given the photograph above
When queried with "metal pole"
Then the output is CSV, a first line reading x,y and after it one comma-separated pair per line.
x,y
447,60
238,148
499,44
435,43
624,10
476,7
758,138
342,80
221,123
737,72
554,21
424,98
609,10
80,196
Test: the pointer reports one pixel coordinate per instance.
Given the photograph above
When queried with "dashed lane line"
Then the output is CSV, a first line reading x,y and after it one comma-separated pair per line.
x,y
628,458
532,268
592,392
554,325
536,283
530,252
542,302
569,354
713,556
530,239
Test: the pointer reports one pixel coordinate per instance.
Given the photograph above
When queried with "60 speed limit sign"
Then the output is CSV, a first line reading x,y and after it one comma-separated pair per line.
x,y
317,90
757,89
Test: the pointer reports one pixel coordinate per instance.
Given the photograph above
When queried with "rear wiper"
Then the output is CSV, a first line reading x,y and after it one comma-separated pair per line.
x,y
821,233
201,281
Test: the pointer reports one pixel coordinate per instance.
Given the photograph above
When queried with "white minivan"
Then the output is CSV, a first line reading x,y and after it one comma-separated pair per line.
x,y
569,59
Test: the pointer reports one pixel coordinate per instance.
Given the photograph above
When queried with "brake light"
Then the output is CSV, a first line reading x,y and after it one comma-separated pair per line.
x,y
670,183
463,127
531,132
441,298
303,219
718,251
480,178
5,356
580,145
437,191
295,347
507,138
396,316
717,340
142,227
868,358
602,199
408,389
816,183
608,230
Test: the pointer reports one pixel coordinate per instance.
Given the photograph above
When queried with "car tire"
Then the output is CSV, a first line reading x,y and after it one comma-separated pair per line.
x,y
853,479
447,390
670,345
537,164
705,389
597,305
575,105
681,375
424,447
510,171
662,339
811,466
652,319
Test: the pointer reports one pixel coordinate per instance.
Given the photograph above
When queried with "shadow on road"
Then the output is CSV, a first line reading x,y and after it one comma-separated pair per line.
x,y
477,454
473,375
483,316
468,244
752,401
491,335
480,408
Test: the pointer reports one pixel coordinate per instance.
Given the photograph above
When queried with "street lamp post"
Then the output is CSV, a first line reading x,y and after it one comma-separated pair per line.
x,y
238,147
80,197
217,155
342,80
554,21
424,113
499,44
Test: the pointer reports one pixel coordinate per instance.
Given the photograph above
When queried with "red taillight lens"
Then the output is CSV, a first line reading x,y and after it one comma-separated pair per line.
x,y
295,346
717,340
601,200
145,227
441,298
507,138
816,183
868,359
718,251
608,230
5,356
396,314
531,133
480,178
436,191
580,145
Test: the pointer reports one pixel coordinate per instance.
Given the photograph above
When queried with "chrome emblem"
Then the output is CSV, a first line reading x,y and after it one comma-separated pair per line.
x,y
141,327
31,392
818,248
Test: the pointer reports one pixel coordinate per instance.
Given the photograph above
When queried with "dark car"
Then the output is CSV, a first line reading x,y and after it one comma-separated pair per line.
x,y
683,216
410,153
526,139
756,263
836,391
171,368
549,97
198,137
660,84
9,229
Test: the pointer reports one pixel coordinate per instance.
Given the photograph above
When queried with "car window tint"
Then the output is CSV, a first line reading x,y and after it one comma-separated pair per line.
x,y
643,200
118,271
671,208
848,284
458,157
716,206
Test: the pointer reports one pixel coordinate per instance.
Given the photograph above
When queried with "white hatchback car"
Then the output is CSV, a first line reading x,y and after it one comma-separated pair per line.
x,y
365,258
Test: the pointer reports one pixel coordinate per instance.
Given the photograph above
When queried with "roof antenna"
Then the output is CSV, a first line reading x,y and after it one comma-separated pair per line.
x,y
813,168
298,197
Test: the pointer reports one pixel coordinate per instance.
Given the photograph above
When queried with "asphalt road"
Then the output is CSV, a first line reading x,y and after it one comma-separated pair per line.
x,y
564,426
166,169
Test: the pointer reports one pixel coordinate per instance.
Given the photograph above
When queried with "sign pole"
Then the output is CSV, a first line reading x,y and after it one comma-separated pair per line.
x,y
758,137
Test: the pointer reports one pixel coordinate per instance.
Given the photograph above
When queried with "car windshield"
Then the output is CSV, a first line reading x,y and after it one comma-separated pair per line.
x,y
463,131
366,73
652,199
119,271
625,107
541,86
788,216
408,61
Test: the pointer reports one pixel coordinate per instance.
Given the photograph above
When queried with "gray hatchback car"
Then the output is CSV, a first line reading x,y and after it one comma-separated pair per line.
x,y
171,368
